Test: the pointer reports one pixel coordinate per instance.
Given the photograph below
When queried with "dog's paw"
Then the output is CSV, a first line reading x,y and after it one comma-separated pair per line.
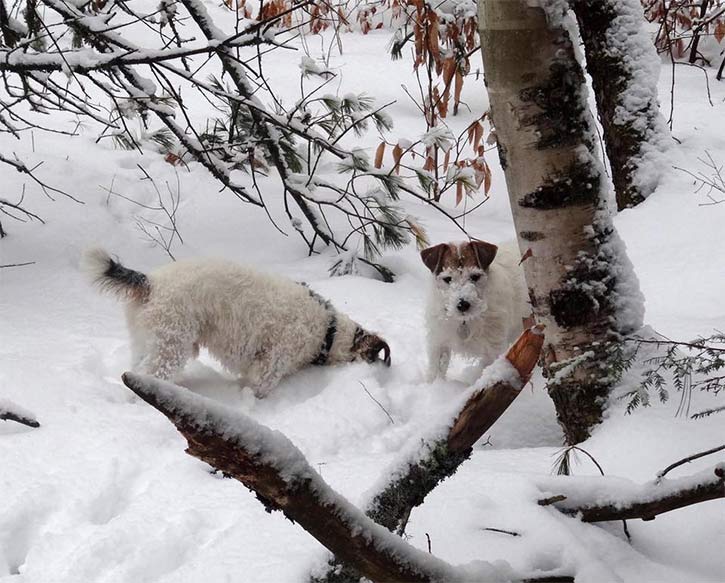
x,y
255,391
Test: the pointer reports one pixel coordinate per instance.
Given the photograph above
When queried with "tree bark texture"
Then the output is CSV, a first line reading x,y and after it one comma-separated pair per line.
x,y
581,284
634,131
391,507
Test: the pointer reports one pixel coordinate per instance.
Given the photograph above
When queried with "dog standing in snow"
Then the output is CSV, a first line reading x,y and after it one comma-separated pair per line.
x,y
259,326
476,304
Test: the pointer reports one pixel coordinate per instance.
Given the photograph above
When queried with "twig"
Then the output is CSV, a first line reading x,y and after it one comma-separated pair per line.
x,y
688,459
378,402
509,532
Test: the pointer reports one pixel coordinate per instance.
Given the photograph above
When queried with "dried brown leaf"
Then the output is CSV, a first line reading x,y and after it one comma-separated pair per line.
x,y
379,153
397,155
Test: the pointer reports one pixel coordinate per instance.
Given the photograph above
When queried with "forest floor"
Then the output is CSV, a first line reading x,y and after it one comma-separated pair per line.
x,y
103,491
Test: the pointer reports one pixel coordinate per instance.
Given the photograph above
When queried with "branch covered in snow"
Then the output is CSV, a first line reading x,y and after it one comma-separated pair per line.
x,y
441,454
89,67
500,384
624,68
9,411
267,463
600,499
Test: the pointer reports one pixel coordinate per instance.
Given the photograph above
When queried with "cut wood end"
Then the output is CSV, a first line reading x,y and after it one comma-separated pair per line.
x,y
146,392
524,354
130,380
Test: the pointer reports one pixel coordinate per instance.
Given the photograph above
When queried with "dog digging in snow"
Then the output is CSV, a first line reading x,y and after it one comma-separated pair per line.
x,y
476,305
261,327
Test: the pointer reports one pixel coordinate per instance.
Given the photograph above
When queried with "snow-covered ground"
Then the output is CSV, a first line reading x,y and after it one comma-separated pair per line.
x,y
103,491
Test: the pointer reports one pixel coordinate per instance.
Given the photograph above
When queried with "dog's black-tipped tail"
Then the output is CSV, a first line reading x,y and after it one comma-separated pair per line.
x,y
109,275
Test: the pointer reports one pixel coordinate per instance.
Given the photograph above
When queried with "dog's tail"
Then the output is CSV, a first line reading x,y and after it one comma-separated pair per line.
x,y
109,275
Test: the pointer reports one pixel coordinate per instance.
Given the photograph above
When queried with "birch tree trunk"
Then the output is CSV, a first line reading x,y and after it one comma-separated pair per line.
x,y
581,284
624,67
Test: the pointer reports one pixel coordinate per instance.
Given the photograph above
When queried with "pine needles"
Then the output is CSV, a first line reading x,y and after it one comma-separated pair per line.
x,y
698,365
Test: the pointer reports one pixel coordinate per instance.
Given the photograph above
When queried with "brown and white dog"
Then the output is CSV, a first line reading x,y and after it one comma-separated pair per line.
x,y
261,327
476,304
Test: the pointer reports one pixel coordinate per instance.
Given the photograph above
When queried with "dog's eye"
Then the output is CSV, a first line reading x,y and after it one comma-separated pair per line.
x,y
475,277
446,279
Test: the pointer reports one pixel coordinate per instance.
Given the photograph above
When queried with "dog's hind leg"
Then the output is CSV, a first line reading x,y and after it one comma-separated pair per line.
x,y
267,369
164,359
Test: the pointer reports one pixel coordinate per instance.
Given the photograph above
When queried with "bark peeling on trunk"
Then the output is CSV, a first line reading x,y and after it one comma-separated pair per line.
x,y
579,278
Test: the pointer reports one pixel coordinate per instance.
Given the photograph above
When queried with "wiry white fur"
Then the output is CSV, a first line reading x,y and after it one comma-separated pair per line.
x,y
499,303
259,326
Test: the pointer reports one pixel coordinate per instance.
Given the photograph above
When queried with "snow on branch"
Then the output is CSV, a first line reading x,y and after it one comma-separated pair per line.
x,y
63,66
448,445
9,411
267,463
144,91
441,455
599,499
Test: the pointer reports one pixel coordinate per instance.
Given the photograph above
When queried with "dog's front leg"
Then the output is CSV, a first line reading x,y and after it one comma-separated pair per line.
x,y
263,374
439,357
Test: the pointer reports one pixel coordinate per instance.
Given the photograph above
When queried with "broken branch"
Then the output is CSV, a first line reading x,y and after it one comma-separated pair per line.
x,y
440,457
11,412
278,473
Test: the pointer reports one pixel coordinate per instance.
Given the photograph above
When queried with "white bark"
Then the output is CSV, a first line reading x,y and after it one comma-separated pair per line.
x,y
581,283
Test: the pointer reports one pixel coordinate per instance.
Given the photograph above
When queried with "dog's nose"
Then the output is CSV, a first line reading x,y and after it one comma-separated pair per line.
x,y
463,305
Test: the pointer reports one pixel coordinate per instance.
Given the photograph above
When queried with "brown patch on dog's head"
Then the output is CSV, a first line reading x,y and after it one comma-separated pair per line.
x,y
435,257
368,347
484,252
457,256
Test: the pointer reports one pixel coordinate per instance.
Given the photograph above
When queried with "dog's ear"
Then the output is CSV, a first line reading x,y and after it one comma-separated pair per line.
x,y
433,257
485,253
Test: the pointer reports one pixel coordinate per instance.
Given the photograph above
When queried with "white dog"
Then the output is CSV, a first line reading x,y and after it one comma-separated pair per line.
x,y
477,302
261,327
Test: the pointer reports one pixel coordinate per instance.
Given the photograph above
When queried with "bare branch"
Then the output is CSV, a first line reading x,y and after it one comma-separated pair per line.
x,y
688,459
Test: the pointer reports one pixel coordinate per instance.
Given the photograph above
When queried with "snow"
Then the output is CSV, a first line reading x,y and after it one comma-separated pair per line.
x,y
103,491
629,41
